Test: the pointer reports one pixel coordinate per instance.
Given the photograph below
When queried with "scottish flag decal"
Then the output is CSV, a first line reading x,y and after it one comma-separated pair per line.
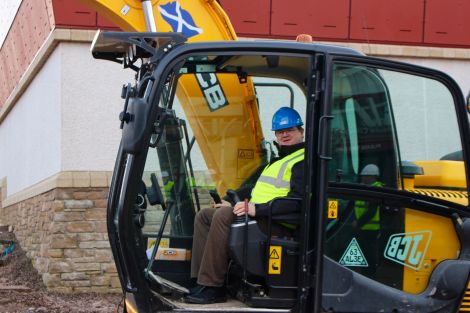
x,y
179,19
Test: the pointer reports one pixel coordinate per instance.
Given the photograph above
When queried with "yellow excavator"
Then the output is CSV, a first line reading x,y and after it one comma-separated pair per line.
x,y
196,122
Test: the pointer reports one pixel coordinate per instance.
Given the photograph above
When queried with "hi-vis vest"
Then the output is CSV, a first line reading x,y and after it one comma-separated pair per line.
x,y
275,179
360,209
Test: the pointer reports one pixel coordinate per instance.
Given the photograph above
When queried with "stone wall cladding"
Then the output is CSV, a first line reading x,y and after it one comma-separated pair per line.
x,y
64,233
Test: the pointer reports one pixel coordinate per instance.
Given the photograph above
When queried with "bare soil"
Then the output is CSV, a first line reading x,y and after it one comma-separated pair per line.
x,y
22,290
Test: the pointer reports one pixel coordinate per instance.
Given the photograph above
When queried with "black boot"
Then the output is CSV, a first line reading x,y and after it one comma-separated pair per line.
x,y
207,295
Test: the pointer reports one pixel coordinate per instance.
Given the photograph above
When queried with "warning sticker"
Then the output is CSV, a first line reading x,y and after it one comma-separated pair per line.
x,y
353,255
333,209
275,253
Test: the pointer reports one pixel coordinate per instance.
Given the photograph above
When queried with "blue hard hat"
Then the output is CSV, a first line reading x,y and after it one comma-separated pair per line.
x,y
286,117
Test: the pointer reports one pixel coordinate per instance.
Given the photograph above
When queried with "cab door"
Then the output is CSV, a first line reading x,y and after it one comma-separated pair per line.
x,y
396,214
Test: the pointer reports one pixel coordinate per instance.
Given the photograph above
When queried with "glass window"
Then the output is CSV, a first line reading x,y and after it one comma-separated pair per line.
x,y
393,130
400,126
217,134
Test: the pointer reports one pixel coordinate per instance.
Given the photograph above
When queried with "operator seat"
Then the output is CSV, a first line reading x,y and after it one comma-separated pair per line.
x,y
263,270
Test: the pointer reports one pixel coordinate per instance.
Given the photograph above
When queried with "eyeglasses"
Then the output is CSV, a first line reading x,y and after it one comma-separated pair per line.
x,y
285,130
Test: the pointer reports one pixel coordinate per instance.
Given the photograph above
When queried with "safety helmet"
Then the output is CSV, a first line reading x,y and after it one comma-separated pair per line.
x,y
370,170
286,117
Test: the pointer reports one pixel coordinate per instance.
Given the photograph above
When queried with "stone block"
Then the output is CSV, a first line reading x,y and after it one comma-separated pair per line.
x,y
63,193
60,267
98,214
64,179
76,283
100,280
68,217
115,282
73,253
94,244
58,227
55,253
103,255
60,241
51,280
101,203
57,205
78,204
80,227
98,179
101,227
109,268
81,179
75,276
84,267
92,237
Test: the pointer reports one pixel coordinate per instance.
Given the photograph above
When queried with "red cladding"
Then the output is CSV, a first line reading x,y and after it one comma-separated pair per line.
x,y
385,20
321,19
447,22
248,16
73,13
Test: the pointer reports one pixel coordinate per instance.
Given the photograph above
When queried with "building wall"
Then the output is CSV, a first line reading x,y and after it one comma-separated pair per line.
x,y
30,134
91,104
64,233
66,120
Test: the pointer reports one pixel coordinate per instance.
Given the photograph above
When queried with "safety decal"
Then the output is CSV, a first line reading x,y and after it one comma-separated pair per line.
x,y
332,209
275,253
353,255
179,19
408,249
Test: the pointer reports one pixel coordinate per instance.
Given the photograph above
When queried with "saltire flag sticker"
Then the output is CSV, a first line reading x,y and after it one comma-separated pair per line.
x,y
179,19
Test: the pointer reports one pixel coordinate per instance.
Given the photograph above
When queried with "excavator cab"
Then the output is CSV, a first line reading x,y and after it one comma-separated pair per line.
x,y
197,120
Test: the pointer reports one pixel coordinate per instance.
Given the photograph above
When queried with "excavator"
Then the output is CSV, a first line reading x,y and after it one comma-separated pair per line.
x,y
196,127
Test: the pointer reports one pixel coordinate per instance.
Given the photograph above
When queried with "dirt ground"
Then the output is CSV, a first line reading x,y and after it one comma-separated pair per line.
x,y
22,290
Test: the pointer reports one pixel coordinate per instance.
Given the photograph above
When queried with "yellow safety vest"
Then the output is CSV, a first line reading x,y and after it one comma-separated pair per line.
x,y
275,179
360,209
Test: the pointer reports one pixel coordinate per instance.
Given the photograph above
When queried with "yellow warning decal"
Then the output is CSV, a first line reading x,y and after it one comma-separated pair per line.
x,y
275,253
333,209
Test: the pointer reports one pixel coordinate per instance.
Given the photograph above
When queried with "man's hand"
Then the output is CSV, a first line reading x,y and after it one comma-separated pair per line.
x,y
239,209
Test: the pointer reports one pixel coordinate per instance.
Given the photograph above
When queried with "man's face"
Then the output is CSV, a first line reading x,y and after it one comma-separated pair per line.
x,y
289,136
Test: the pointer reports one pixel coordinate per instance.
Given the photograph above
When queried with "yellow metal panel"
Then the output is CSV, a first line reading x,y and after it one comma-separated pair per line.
x,y
128,15
441,174
228,166
222,134
444,245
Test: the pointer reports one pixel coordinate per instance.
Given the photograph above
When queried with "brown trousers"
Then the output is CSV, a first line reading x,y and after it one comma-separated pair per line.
x,y
210,245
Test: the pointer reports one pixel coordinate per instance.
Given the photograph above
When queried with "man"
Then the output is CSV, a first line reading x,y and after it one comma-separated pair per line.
x,y
367,222
282,177
368,216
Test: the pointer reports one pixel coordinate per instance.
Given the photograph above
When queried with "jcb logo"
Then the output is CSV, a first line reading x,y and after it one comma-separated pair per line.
x,y
213,93
408,249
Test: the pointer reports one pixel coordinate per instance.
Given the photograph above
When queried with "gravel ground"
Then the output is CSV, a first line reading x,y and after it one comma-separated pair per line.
x,y
22,290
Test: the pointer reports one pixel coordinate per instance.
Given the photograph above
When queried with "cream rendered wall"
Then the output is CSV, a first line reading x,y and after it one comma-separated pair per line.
x,y
66,120
30,135
91,103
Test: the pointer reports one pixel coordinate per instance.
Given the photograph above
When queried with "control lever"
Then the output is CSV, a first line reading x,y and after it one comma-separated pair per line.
x,y
233,196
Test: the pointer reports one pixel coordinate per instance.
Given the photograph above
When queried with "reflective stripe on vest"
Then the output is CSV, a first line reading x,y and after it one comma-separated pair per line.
x,y
360,209
275,179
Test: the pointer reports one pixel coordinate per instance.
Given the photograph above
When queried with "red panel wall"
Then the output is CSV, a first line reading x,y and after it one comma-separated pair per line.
x,y
26,35
249,16
73,13
315,17
385,20
447,22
